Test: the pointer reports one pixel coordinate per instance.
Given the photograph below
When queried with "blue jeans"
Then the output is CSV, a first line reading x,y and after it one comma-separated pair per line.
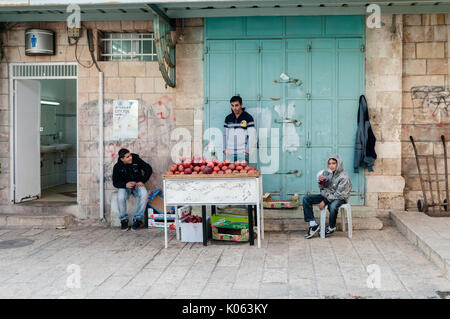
x,y
333,208
122,195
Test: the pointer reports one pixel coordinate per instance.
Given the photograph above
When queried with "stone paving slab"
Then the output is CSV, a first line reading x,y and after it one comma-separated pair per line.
x,y
430,234
116,264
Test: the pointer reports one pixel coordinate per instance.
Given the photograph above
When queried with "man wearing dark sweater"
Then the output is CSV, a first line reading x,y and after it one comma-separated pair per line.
x,y
130,173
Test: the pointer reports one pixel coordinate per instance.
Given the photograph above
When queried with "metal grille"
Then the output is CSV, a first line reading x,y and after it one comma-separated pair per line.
x,y
44,70
128,47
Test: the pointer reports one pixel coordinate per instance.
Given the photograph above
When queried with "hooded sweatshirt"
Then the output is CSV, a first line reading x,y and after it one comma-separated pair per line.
x,y
137,171
338,184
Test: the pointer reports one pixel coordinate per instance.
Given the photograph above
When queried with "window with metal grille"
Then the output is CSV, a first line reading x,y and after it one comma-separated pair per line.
x,y
128,47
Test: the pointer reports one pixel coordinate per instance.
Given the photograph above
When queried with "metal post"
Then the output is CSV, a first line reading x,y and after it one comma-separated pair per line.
x,y
100,145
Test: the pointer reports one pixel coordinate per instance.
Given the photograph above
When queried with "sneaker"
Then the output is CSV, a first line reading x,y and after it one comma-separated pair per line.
x,y
124,225
329,230
312,231
136,225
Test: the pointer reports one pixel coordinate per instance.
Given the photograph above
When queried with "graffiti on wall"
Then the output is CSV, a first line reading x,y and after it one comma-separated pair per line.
x,y
156,121
433,99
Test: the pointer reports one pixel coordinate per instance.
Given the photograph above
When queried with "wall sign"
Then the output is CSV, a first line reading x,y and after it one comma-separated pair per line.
x,y
125,119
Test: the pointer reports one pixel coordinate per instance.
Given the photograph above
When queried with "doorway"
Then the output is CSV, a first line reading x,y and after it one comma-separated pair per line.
x,y
299,83
44,133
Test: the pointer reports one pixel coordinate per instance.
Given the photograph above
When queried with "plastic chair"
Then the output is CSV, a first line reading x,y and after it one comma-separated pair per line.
x,y
323,216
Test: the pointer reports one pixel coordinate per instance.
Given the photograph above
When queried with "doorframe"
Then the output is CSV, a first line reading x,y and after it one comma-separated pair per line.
x,y
284,36
12,109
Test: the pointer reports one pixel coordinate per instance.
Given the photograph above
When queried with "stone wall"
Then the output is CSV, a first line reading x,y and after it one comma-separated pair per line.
x,y
384,186
161,109
425,114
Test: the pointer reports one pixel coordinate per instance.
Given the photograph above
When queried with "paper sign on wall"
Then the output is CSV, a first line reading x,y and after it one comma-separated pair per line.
x,y
125,119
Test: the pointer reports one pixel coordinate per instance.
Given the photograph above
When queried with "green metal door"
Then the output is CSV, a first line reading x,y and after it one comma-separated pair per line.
x,y
302,119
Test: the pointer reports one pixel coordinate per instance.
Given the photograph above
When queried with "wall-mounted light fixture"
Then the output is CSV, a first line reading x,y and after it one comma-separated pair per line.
x,y
50,102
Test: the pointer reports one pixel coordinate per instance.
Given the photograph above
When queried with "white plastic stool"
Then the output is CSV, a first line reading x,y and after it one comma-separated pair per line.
x,y
323,216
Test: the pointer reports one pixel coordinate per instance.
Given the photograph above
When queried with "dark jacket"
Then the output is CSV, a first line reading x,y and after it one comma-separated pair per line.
x,y
365,154
239,134
137,171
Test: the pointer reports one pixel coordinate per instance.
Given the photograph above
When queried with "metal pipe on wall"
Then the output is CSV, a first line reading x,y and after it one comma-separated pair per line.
x,y
100,145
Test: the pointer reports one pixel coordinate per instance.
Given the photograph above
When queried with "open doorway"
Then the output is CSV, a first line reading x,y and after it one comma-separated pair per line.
x,y
58,140
44,134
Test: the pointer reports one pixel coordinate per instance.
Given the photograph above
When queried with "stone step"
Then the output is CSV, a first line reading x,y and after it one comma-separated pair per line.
x,y
37,214
363,218
357,212
40,220
359,223
430,234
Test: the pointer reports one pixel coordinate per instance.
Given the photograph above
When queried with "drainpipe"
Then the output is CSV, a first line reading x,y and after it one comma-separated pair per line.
x,y
100,145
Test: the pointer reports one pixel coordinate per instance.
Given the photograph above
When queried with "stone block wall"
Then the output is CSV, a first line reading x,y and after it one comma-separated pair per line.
x,y
161,109
425,107
384,186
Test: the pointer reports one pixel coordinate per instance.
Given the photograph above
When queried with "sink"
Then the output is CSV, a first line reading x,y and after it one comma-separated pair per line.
x,y
48,148
55,148
63,147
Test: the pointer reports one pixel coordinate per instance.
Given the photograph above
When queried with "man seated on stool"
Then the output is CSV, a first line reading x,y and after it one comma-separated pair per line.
x,y
130,173
335,187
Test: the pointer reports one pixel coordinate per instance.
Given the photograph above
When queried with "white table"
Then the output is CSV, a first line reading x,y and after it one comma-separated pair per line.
x,y
227,189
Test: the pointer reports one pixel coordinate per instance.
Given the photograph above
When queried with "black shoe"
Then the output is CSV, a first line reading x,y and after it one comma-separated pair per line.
x,y
124,225
136,225
312,231
329,231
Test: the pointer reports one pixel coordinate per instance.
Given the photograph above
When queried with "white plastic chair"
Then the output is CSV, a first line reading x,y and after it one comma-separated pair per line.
x,y
344,207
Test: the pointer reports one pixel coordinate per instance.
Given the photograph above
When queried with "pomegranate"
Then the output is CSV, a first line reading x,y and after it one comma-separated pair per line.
x,y
207,170
244,164
228,171
196,169
180,168
221,172
188,170
224,168
186,164
173,167
235,172
232,166
194,173
239,168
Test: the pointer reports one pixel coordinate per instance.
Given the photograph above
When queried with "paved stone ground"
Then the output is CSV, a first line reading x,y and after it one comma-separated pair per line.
x,y
116,264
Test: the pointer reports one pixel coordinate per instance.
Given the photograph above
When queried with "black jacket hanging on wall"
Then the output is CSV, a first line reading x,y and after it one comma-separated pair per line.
x,y
365,154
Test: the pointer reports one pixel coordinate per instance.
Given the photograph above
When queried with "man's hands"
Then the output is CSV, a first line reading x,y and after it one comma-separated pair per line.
x,y
132,185
322,205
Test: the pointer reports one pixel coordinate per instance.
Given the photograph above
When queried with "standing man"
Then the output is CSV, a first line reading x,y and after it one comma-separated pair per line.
x,y
130,173
239,135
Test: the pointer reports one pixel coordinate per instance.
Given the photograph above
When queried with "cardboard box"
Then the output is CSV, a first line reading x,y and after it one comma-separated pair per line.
x,y
156,201
157,220
191,232
231,228
154,224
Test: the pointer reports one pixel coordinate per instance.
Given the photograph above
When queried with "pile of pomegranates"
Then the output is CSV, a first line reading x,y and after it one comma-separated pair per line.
x,y
198,165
